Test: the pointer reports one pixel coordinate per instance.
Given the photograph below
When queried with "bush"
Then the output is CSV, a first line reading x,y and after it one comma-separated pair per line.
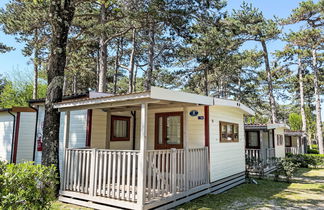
x,y
286,167
318,159
27,186
313,150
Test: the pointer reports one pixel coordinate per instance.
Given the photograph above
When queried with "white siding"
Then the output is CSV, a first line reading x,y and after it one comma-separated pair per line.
x,y
40,124
99,123
26,137
98,130
6,128
280,150
78,132
226,159
78,124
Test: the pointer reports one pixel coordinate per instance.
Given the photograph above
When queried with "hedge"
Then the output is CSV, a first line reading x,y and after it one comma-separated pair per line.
x,y
27,186
306,160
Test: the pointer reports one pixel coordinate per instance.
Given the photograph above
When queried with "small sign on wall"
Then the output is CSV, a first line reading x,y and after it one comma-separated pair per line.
x,y
193,113
201,117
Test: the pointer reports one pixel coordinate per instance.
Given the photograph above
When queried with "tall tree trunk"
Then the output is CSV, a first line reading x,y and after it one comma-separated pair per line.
x,y
36,64
206,81
150,57
102,86
302,103
35,86
116,66
135,79
319,133
269,81
131,63
61,15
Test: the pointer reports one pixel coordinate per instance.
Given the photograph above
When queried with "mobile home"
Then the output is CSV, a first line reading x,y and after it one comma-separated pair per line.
x,y
154,149
263,142
294,143
17,131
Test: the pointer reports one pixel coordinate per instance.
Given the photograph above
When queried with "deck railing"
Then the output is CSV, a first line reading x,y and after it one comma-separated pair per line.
x,y
294,150
114,173
258,156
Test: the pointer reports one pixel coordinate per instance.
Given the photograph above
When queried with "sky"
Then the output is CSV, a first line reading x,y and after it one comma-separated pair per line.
x,y
14,61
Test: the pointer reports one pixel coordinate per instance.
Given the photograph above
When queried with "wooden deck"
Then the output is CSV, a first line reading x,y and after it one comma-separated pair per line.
x,y
258,157
112,177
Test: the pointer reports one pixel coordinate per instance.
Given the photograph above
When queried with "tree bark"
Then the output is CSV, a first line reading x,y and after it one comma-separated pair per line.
x,y
206,81
116,66
131,63
319,134
150,57
269,80
61,15
102,85
302,103
35,86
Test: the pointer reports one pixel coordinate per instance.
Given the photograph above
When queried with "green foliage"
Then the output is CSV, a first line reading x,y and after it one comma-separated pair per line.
x,y
295,121
313,150
27,186
307,160
19,90
286,167
318,159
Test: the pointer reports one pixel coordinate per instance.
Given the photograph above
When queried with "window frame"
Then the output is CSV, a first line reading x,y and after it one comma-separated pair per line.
x,y
117,117
289,138
164,116
220,132
248,140
279,140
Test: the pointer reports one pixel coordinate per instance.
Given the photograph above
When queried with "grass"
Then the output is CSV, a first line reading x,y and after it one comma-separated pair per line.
x,y
307,192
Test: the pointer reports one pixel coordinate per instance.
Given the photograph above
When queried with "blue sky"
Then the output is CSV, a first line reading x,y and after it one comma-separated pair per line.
x,y
14,61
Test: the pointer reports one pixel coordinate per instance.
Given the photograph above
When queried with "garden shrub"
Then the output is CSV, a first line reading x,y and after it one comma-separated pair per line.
x,y
306,160
27,186
286,167
313,150
317,159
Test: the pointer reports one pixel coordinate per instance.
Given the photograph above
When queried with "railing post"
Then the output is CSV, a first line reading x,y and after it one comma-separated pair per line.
x,y
174,170
66,145
141,173
92,172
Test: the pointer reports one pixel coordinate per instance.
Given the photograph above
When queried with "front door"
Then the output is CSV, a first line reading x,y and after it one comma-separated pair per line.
x,y
169,130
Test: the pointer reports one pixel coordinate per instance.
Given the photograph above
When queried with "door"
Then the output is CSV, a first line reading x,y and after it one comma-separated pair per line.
x,y
169,130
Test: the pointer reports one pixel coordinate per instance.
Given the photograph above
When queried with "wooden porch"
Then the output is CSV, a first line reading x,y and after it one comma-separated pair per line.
x,y
294,150
261,157
113,177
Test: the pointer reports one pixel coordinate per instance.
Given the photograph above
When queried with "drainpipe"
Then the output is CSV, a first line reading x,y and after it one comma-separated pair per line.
x,y
13,134
36,127
134,128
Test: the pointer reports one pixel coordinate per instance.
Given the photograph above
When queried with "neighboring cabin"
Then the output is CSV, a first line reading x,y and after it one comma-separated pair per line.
x,y
17,132
266,141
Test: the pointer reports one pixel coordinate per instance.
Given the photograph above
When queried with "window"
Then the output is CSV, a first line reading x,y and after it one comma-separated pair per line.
x,y
120,128
253,139
169,130
229,132
287,141
279,140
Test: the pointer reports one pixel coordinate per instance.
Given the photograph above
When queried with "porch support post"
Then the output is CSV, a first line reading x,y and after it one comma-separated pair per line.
x,y
108,129
186,146
141,158
66,145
